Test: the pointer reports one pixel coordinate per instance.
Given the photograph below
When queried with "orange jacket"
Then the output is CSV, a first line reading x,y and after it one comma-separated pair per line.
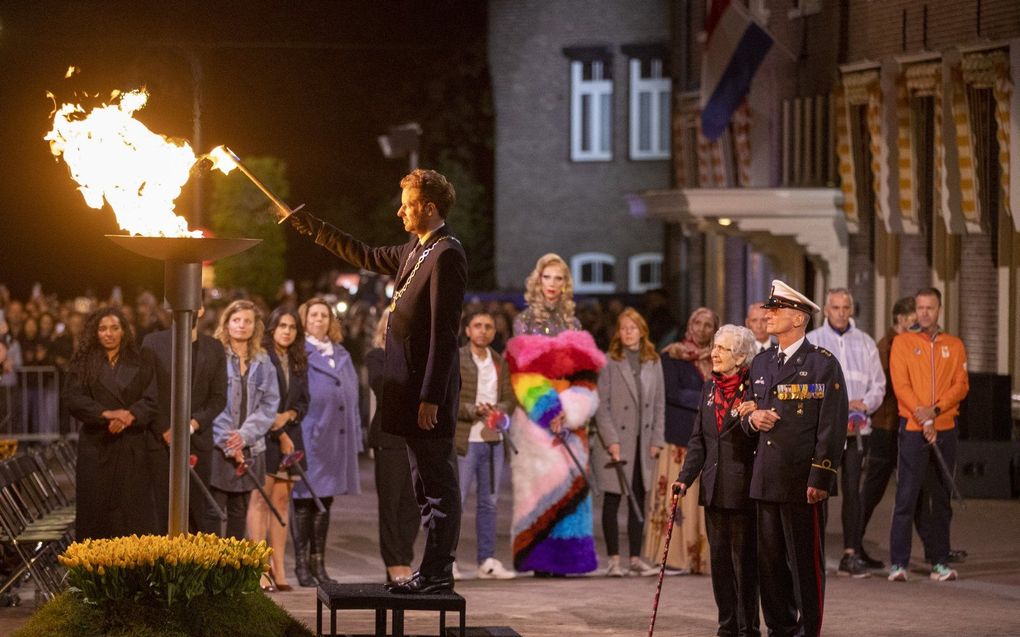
x,y
929,371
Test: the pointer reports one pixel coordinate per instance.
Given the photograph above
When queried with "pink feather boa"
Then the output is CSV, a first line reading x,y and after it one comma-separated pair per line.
x,y
558,356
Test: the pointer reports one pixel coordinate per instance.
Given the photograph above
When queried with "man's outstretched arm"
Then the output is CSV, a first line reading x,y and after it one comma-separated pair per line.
x,y
384,260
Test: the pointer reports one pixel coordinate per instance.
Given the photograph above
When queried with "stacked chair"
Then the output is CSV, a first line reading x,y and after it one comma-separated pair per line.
x,y
37,514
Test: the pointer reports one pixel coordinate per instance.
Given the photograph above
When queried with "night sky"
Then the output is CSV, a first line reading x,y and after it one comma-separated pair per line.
x,y
312,83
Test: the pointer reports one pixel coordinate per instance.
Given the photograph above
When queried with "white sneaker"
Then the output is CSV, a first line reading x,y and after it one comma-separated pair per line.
x,y
641,568
492,568
614,569
942,573
456,573
897,573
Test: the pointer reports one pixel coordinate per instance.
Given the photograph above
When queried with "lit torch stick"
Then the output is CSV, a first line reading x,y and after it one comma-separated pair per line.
x,y
225,159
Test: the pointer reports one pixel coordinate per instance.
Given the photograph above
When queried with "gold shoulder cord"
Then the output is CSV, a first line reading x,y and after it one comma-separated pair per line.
x,y
399,293
826,464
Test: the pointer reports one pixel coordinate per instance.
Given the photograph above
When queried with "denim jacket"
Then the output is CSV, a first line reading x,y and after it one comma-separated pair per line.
x,y
263,398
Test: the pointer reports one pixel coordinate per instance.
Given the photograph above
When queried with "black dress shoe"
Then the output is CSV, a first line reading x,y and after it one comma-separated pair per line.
x,y
870,562
421,584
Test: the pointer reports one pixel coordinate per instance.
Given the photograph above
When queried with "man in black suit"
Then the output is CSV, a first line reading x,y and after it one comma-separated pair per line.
x,y
208,399
801,418
421,371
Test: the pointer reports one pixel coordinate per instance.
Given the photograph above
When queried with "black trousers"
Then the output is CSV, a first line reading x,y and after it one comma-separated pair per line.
x,y
791,567
732,542
882,458
236,506
850,471
610,523
201,516
434,475
922,496
398,509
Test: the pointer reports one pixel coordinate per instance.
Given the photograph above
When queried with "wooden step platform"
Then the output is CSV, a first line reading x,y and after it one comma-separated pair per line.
x,y
376,597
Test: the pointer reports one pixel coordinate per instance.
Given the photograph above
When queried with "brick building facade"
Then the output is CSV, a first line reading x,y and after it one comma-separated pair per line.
x,y
581,94
906,117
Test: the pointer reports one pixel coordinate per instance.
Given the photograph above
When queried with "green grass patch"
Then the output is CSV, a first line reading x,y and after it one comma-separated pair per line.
x,y
249,614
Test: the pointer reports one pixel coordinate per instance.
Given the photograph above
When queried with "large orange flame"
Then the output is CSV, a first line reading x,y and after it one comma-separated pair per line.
x,y
117,160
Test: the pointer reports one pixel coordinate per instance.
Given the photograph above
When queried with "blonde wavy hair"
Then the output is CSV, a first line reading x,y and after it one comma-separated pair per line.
x,y
645,345
334,333
533,288
255,342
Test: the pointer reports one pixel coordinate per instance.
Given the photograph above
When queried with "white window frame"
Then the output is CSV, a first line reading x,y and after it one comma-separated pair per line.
x,y
635,285
595,259
595,89
655,86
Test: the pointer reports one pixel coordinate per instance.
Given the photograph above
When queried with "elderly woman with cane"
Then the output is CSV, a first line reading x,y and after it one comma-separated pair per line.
x,y
722,454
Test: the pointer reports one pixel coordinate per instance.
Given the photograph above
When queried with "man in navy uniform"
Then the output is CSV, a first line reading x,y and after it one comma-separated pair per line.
x,y
421,368
801,415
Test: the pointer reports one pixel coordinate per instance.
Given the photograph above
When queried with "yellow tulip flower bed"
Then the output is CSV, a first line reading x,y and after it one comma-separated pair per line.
x,y
162,570
156,586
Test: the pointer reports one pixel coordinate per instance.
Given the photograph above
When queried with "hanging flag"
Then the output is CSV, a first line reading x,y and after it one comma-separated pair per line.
x,y
736,46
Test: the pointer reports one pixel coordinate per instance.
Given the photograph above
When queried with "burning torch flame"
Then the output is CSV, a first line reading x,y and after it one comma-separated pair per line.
x,y
221,159
117,159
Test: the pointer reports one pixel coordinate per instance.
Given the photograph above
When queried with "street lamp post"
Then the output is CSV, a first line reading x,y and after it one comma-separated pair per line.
x,y
400,141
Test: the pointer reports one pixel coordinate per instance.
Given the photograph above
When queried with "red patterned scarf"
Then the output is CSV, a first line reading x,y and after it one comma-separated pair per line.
x,y
729,390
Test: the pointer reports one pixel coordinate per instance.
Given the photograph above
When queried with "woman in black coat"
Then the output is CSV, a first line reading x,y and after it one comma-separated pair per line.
x,y
723,454
285,341
111,389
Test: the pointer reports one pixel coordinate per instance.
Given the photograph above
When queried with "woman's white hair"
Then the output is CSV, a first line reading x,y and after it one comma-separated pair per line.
x,y
743,341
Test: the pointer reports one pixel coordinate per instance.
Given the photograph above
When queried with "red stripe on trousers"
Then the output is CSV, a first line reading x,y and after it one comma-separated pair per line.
x,y
817,559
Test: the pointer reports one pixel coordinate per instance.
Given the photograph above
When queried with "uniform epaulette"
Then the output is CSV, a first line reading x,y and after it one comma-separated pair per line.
x,y
823,351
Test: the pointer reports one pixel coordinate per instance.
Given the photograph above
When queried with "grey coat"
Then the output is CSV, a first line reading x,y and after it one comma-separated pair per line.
x,y
617,420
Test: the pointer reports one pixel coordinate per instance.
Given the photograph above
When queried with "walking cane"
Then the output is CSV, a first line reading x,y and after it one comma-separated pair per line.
x,y
192,461
294,460
677,494
947,474
499,420
622,478
577,463
242,470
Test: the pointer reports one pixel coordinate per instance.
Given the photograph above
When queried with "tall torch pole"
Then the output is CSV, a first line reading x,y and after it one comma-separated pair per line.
x,y
184,284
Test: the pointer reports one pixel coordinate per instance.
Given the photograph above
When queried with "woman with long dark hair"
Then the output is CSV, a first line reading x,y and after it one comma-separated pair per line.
x,y
331,429
111,389
252,398
284,341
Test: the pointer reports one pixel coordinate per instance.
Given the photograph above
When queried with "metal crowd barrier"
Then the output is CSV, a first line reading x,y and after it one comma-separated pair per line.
x,y
31,408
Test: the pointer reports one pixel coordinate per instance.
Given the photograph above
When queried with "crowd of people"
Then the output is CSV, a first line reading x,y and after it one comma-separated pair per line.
x,y
734,434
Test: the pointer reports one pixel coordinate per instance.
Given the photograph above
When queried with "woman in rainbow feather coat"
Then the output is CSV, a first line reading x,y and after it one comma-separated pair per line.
x,y
554,369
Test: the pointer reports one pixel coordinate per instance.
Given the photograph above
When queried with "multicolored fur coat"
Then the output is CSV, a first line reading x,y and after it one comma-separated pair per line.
x,y
552,519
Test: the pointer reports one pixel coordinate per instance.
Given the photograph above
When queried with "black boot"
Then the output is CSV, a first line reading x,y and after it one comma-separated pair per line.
x,y
320,525
301,532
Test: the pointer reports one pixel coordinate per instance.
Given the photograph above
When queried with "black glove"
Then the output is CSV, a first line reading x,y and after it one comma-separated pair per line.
x,y
305,223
